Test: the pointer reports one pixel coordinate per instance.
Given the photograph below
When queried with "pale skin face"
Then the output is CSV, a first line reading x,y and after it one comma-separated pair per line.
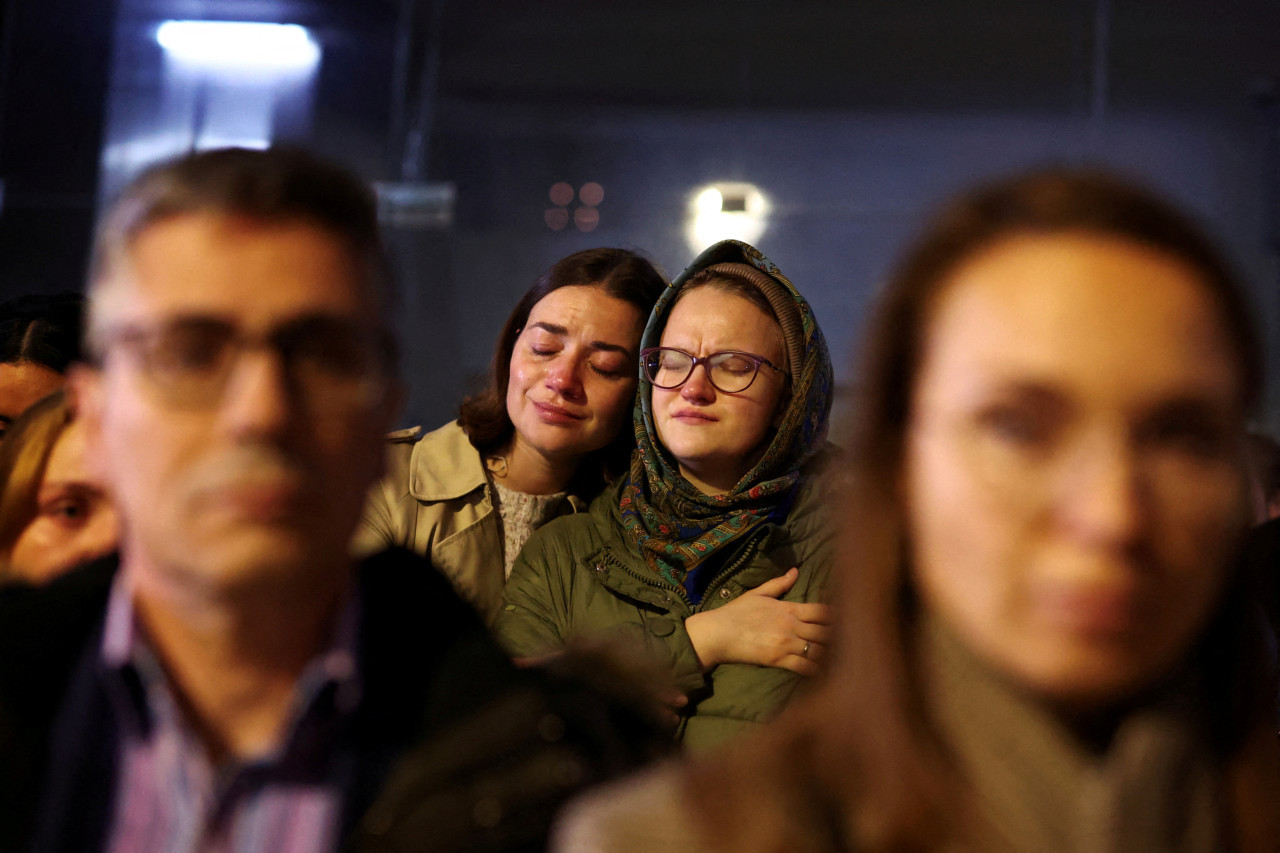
x,y
1073,466
75,521
716,437
573,378
21,386
251,492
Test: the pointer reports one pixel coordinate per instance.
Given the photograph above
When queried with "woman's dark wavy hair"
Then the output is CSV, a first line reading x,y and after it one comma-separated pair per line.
x,y
43,330
859,754
620,273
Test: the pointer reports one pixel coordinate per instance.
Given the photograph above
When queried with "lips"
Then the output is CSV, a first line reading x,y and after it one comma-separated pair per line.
x,y
693,416
1094,611
260,501
550,413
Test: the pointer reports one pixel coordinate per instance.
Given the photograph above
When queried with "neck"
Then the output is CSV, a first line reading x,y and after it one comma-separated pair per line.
x,y
711,482
233,661
535,473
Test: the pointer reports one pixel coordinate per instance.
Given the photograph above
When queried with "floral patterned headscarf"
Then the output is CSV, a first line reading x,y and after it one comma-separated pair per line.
x,y
674,525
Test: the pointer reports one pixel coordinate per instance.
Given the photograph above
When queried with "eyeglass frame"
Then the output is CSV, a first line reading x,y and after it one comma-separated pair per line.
x,y
140,339
705,361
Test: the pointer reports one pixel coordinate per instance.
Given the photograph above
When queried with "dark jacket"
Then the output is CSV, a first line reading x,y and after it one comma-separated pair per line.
x,y
444,722
580,576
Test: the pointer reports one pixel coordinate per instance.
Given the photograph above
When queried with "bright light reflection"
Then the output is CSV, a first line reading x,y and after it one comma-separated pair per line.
x,y
726,211
239,45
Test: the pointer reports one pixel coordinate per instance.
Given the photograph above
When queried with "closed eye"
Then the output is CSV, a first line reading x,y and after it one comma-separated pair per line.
x,y
1189,427
1026,416
606,373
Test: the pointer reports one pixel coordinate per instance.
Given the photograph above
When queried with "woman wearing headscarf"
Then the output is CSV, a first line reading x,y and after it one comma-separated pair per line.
x,y
1044,639
712,553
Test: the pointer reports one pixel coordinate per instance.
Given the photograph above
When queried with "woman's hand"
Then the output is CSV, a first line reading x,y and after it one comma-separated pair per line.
x,y
759,629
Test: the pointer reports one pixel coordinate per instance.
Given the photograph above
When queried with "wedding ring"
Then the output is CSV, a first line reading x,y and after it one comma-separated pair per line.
x,y
805,653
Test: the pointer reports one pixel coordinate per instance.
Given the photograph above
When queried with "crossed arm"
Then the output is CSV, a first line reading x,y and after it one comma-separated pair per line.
x,y
758,628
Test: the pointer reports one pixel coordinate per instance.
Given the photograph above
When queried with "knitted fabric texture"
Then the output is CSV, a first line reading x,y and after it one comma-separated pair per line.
x,y
521,515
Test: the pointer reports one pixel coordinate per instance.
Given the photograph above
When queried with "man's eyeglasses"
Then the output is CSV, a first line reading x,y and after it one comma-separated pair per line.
x,y
730,371
331,363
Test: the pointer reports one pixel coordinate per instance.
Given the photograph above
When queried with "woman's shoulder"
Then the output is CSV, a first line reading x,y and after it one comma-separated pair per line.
x,y
817,496
438,465
574,535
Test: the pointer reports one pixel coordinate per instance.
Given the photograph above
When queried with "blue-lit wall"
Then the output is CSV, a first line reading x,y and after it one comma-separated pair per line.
x,y
846,191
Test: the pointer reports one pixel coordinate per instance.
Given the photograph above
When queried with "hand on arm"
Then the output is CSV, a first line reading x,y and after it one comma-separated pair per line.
x,y
759,629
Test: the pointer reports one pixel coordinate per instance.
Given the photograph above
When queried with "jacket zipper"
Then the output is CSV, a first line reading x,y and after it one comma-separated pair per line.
x,y
749,551
649,581
752,546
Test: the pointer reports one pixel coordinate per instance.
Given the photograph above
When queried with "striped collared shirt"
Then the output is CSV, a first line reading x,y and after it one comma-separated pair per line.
x,y
169,796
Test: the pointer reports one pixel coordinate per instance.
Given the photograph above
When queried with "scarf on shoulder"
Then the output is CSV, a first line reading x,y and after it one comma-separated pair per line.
x,y
676,527
1155,787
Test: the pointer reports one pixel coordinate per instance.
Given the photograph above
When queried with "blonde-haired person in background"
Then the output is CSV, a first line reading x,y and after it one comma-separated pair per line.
x,y
54,515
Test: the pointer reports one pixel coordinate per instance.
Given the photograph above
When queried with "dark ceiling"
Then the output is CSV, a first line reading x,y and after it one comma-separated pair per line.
x,y
575,58
909,55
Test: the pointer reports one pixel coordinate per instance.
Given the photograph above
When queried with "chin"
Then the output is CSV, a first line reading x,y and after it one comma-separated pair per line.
x,y
265,557
1089,680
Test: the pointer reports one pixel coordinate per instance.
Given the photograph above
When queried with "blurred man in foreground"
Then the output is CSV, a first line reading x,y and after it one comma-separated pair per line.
x,y
236,683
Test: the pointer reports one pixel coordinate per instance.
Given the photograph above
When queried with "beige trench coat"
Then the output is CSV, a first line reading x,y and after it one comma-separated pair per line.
x,y
436,500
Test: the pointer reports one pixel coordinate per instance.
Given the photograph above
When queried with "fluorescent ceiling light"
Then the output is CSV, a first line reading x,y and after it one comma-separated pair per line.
x,y
723,211
239,45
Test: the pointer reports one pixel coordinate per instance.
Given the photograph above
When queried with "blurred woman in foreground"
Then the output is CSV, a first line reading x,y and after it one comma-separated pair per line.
x,y
1043,638
53,515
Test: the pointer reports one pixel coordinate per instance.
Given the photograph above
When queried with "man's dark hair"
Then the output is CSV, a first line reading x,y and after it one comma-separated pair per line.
x,y
279,184
43,330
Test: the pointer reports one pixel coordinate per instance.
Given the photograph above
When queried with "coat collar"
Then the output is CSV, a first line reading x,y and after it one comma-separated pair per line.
x,y
444,465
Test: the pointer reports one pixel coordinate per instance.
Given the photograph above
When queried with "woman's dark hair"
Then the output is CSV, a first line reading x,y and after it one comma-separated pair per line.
x,y
43,330
620,273
862,740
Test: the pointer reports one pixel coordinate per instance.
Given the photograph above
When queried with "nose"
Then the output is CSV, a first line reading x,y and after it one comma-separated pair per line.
x,y
258,401
1104,501
698,388
564,376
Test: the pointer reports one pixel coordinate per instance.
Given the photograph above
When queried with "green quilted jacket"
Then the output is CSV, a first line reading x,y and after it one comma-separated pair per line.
x,y
580,576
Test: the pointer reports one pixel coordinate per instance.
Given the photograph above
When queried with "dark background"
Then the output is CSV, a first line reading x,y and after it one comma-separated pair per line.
x,y
853,118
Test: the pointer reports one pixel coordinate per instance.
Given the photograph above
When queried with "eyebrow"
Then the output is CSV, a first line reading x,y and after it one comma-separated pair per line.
x,y
604,346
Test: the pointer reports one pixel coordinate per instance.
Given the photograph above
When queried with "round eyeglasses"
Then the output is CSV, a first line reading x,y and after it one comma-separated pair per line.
x,y
730,371
331,362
